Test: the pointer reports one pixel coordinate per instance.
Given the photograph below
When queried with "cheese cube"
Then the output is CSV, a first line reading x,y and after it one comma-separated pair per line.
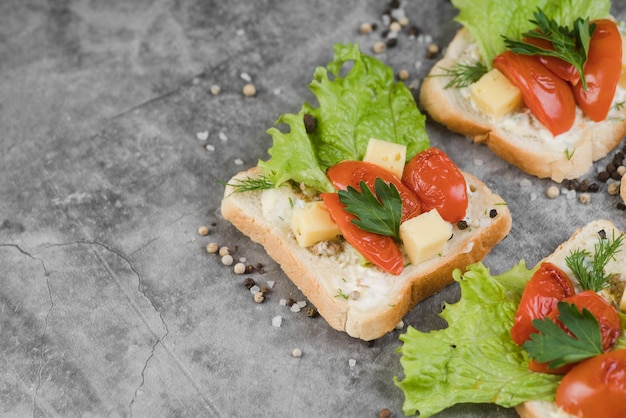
x,y
425,236
388,155
495,95
312,224
622,79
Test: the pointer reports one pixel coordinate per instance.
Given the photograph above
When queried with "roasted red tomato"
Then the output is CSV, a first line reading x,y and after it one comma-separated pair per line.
x,y
548,285
595,387
563,69
350,173
602,71
378,249
605,313
438,184
549,98
607,316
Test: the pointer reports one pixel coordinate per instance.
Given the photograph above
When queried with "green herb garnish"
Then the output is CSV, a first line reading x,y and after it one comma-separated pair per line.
x,y
379,213
569,154
558,347
569,45
588,268
340,294
462,75
249,184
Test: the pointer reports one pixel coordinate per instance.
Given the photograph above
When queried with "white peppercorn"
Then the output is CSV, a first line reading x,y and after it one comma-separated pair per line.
x,y
203,231
240,268
259,297
211,248
227,260
249,90
224,251
553,192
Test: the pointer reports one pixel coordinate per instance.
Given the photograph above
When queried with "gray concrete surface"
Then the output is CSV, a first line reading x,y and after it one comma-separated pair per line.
x,y
109,304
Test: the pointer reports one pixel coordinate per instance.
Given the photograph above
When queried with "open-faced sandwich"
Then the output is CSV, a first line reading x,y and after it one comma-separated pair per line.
x,y
539,82
549,341
360,212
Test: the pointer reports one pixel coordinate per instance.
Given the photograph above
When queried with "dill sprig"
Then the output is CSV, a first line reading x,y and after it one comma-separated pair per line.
x,y
249,184
589,268
462,75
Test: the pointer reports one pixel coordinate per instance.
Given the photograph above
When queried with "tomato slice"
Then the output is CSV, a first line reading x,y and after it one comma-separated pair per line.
x,y
350,173
563,69
607,316
548,97
438,183
378,249
548,285
605,313
602,71
595,387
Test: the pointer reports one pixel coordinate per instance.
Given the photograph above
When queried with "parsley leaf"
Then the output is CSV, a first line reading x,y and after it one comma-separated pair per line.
x,y
380,213
588,268
569,45
558,347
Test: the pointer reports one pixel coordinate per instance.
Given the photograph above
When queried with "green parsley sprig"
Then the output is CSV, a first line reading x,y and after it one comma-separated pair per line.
x,y
589,268
556,346
379,213
570,45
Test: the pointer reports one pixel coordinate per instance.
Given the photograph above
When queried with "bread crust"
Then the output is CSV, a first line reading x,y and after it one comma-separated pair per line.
x,y
310,272
535,152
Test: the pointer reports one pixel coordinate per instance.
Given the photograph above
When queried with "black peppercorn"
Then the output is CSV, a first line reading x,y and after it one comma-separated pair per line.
x,y
310,123
249,282
493,213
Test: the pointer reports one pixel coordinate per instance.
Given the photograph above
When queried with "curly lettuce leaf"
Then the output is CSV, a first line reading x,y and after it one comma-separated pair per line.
x,y
474,359
489,20
367,102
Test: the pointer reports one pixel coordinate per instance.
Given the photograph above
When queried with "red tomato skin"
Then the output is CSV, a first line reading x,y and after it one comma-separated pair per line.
x,y
607,316
548,285
602,71
548,97
595,387
350,173
378,249
438,183
561,68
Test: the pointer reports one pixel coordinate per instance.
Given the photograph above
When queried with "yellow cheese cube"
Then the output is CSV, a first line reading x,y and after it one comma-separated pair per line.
x,y
622,304
495,95
312,224
425,236
622,79
388,155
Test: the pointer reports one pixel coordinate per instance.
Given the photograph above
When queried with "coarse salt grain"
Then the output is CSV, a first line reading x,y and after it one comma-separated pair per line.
x,y
209,147
238,161
282,302
478,162
222,136
277,321
533,196
270,284
255,289
297,353
202,136
301,303
245,77
400,325
240,32
295,308
215,90
351,362
525,183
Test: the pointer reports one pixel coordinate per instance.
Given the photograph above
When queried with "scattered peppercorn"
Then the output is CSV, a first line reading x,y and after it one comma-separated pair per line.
x,y
227,260
259,297
493,213
584,198
613,189
593,187
240,268
290,302
224,251
553,192
203,231
311,312
310,123
621,206
379,47
403,74
297,353
249,268
249,282
211,248
215,90
384,413
461,225
603,176
432,51
414,31
265,290
365,28
391,42
249,90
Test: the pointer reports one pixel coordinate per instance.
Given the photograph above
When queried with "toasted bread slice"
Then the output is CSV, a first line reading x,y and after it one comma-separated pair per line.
x,y
328,279
584,238
519,138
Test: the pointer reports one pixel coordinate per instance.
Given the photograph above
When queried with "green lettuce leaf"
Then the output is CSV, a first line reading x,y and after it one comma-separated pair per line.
x,y
367,102
474,359
489,20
